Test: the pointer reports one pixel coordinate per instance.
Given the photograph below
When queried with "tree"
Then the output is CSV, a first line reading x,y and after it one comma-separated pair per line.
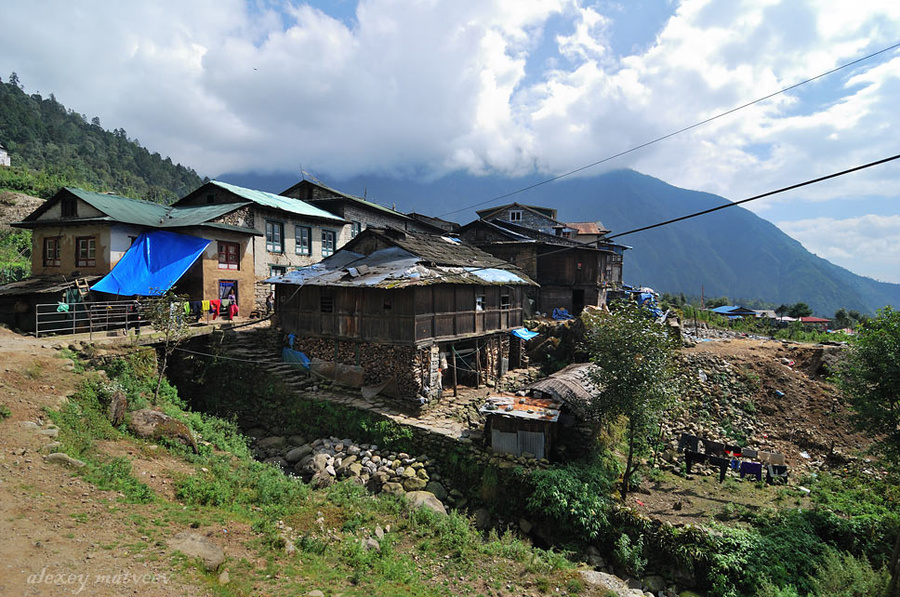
x,y
14,80
632,355
798,310
870,377
717,302
166,315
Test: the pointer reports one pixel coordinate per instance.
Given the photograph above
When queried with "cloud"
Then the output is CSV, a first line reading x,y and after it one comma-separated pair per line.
x,y
868,245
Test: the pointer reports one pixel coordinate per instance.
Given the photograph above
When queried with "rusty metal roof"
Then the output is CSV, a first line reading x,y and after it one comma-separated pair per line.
x,y
522,407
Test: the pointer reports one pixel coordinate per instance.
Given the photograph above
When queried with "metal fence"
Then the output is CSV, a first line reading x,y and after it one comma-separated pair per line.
x,y
79,318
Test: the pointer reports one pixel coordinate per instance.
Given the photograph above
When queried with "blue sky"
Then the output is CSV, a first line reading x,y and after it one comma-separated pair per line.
x,y
501,88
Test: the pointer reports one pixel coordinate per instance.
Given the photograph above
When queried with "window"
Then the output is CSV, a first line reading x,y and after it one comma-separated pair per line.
x,y
326,304
277,270
229,255
327,243
355,228
274,237
515,215
69,207
51,252
85,251
303,240
210,198
504,301
479,302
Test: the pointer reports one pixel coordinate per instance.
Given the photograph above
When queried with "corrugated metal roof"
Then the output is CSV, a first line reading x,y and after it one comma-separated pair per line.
x,y
288,204
42,285
353,198
124,209
522,407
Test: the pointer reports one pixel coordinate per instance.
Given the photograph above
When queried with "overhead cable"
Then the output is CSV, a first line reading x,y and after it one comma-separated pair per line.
x,y
672,134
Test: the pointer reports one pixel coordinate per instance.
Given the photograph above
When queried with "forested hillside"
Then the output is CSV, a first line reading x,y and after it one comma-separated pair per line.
x,y
52,146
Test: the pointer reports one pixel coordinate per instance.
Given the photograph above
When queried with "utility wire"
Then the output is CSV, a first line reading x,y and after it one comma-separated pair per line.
x,y
754,198
672,134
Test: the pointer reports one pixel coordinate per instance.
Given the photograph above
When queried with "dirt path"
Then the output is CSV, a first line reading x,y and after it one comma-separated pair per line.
x,y
58,534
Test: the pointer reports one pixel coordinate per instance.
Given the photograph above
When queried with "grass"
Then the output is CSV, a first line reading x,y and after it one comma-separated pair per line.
x,y
423,554
5,413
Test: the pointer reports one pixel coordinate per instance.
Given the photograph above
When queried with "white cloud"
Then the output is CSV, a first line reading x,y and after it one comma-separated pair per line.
x,y
868,245
425,87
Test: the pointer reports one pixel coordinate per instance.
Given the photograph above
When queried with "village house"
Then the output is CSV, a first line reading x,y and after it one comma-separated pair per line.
x,y
589,233
4,156
424,311
572,275
292,233
81,234
542,219
360,213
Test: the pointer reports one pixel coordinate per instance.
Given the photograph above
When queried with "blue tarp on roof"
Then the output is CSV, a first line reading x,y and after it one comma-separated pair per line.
x,y
153,264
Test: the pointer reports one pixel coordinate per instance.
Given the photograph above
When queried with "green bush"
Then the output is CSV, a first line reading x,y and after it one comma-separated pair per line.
x,y
5,413
115,475
842,575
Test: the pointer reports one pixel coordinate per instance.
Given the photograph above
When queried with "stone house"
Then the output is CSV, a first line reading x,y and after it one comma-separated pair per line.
x,y
359,212
79,233
572,275
292,233
4,156
425,311
542,219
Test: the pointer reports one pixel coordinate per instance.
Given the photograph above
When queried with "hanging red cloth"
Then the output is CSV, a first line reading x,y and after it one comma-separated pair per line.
x,y
214,306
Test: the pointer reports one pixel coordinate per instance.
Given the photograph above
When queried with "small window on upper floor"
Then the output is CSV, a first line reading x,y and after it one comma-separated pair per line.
x,y
504,301
326,304
69,207
328,238
355,228
515,215
479,302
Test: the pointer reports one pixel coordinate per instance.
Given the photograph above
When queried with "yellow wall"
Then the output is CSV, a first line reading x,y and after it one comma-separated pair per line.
x,y
67,237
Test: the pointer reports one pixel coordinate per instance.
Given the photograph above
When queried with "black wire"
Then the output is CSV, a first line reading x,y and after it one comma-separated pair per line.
x,y
672,134
754,198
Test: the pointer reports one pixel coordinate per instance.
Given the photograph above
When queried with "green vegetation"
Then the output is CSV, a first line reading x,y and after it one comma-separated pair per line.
x,y
15,255
5,413
633,358
333,529
51,147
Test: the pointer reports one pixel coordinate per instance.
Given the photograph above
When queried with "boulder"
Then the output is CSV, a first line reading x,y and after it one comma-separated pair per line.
x,y
437,489
275,442
392,488
321,480
609,583
297,454
197,546
425,499
414,484
482,519
153,424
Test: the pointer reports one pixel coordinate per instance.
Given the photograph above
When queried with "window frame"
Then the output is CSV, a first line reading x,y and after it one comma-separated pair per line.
x,y
326,251
68,207
90,258
223,246
355,228
273,246
299,248
515,216
52,260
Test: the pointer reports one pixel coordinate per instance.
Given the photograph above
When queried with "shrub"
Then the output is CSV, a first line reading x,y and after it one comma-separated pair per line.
x,y
5,413
842,575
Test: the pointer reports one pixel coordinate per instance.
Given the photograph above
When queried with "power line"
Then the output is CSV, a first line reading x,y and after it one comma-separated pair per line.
x,y
754,198
672,134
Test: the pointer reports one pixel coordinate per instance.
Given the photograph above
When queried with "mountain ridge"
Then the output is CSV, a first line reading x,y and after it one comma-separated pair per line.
x,y
732,252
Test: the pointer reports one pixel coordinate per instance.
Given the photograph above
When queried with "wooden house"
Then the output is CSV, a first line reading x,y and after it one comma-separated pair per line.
x,y
572,275
78,233
423,309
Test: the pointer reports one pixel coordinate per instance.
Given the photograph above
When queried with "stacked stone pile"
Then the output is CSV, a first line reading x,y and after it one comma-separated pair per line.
x,y
326,460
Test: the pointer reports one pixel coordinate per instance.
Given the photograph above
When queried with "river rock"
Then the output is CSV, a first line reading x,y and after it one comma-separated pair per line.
x,y
64,459
297,454
425,499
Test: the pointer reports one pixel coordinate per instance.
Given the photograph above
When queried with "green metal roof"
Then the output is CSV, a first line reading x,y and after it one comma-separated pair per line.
x,y
278,202
126,210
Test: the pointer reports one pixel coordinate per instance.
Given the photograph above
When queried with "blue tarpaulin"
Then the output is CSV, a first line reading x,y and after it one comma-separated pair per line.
x,y
153,264
524,334
294,357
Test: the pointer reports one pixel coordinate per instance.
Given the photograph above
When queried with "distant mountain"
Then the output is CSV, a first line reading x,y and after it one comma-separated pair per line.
x,y
730,253
52,146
